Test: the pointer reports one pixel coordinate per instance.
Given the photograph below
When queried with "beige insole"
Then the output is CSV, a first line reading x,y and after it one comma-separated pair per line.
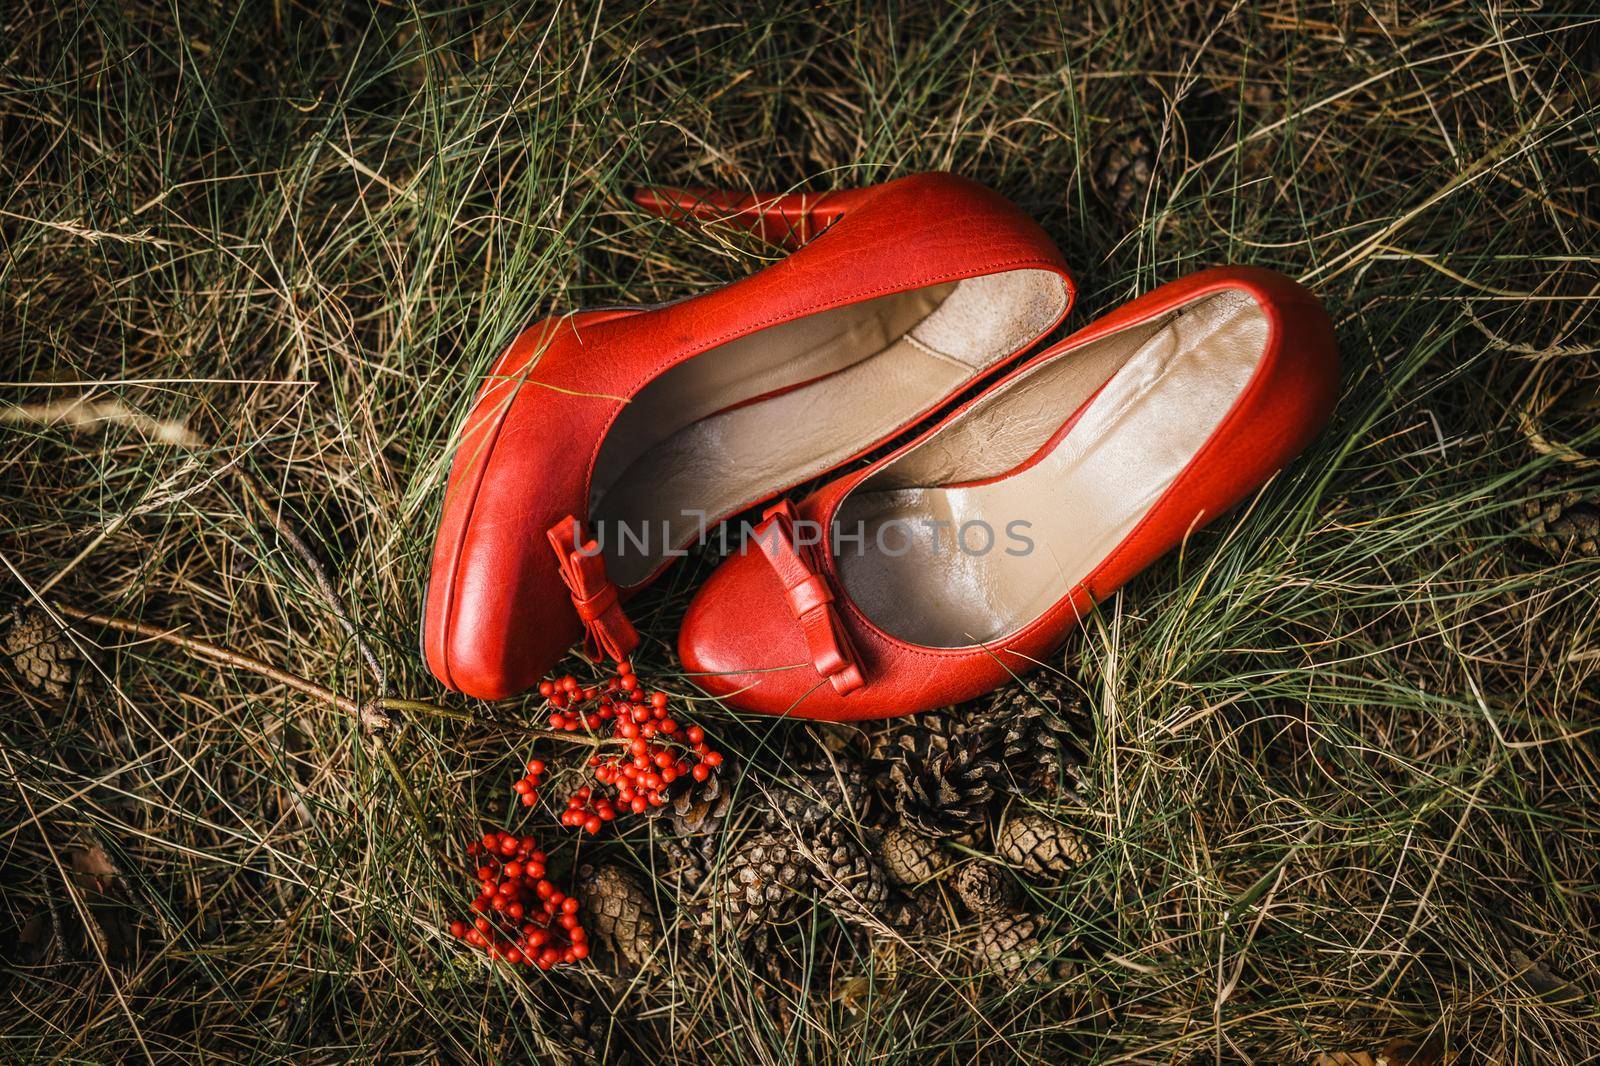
x,y
912,541
721,431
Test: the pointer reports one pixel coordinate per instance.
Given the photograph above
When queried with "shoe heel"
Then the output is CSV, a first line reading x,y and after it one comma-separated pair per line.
x,y
787,219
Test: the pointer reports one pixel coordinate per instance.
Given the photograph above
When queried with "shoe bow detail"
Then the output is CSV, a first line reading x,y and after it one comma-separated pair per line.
x,y
607,630
811,599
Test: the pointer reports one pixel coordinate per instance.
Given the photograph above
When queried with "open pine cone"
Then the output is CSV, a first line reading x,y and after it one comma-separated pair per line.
x,y
853,886
1041,740
817,789
942,767
766,881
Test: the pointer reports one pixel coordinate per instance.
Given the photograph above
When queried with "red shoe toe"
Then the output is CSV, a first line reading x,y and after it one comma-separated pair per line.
x,y
739,641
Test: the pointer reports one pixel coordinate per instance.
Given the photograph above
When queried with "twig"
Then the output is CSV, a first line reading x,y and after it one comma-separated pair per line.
x,y
214,653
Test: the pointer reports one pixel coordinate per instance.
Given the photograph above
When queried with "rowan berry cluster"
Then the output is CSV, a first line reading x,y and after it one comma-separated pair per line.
x,y
657,750
521,917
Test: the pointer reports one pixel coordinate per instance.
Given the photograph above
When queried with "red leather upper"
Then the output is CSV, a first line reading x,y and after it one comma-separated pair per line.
x,y
497,615
740,637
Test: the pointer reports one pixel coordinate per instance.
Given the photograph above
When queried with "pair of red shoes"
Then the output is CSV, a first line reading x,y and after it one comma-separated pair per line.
x,y
604,442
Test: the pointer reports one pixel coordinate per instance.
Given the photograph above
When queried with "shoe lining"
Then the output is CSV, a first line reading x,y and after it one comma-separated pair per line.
x,y
719,432
1136,407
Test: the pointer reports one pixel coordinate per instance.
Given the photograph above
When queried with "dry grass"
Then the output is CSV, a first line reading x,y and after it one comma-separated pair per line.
x,y
1344,766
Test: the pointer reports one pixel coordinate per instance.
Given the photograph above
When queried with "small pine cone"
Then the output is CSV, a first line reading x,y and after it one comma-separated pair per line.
x,y
817,790
921,912
943,769
853,886
1125,168
620,917
910,858
1039,845
1565,524
765,882
1010,946
986,889
701,806
46,660
572,1040
1041,748
684,863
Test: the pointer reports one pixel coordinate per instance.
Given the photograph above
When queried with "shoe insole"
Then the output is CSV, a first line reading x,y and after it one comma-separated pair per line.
x,y
737,423
979,531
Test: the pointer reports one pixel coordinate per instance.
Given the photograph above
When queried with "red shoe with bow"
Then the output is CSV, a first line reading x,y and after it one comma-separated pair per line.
x,y
965,557
603,442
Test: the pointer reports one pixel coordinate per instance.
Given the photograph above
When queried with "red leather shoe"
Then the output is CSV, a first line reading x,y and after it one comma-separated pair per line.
x,y
634,429
963,558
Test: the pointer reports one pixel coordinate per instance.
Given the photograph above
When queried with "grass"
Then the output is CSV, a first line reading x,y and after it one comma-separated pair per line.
x,y
1342,785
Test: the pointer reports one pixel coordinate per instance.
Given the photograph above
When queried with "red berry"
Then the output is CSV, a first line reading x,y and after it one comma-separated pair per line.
x,y
458,928
535,767
591,825
695,734
547,689
701,772
712,759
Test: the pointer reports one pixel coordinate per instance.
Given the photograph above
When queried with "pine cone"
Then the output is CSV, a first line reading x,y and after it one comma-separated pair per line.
x,y
1125,168
1040,746
1010,947
697,818
910,858
986,889
701,806
39,652
766,882
816,790
1566,524
621,919
1039,845
572,1041
853,886
685,863
921,911
942,771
